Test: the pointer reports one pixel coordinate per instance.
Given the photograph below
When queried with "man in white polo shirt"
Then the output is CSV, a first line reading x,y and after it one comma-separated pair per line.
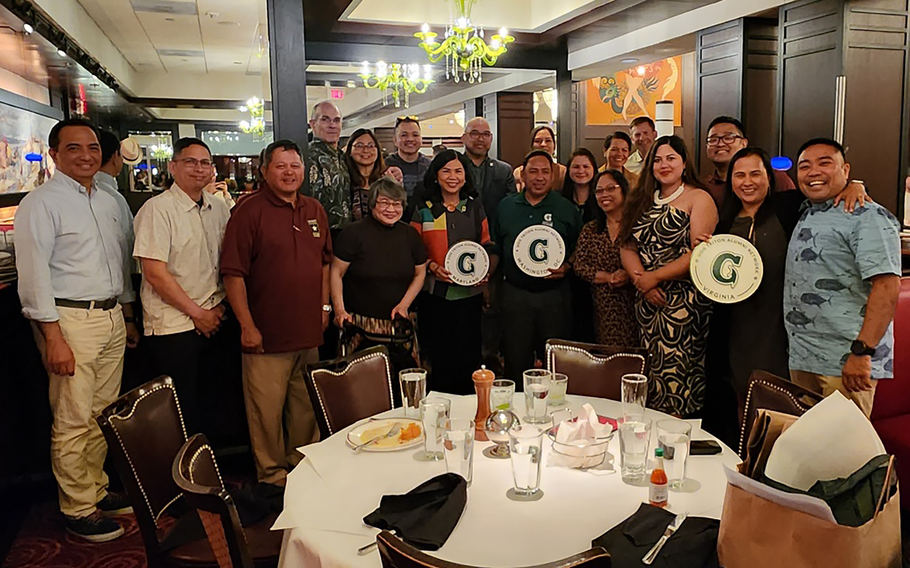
x,y
178,243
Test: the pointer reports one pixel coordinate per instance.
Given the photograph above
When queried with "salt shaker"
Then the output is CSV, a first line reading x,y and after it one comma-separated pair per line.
x,y
483,381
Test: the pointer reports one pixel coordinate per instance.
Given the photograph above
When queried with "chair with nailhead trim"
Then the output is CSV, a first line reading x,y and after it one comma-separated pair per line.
x,y
773,393
595,370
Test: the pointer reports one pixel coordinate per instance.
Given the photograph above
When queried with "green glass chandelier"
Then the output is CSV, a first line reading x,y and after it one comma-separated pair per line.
x,y
256,125
463,46
396,80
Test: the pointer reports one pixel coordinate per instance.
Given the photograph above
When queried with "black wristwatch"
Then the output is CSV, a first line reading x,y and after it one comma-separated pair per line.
x,y
860,349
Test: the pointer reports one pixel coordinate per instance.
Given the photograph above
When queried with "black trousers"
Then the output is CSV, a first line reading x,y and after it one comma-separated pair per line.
x,y
529,320
190,359
451,329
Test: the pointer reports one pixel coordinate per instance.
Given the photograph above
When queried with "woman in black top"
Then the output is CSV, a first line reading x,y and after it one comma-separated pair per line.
x,y
578,186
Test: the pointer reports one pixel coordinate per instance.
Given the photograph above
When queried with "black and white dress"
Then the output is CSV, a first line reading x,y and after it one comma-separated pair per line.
x,y
675,335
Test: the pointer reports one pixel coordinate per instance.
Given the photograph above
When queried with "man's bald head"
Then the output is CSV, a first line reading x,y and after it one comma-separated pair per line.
x,y
477,138
325,120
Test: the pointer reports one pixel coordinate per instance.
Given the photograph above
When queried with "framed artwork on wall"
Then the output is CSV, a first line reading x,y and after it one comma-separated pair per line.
x,y
24,160
615,100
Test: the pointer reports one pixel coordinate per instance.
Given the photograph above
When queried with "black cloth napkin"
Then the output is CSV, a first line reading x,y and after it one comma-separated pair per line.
x,y
693,545
425,516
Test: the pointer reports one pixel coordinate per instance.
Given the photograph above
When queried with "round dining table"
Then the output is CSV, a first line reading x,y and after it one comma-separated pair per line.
x,y
332,489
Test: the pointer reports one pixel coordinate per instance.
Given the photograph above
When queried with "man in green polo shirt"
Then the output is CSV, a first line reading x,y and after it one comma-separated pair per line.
x,y
534,309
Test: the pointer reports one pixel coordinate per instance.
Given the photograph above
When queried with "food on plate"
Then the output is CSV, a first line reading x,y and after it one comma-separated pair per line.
x,y
409,432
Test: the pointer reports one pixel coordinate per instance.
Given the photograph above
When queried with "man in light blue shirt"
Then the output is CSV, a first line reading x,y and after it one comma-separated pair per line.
x,y
842,283
69,254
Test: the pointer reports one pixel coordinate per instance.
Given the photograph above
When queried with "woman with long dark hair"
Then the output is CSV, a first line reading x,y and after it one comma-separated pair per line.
x,y
449,314
543,138
578,186
363,155
661,222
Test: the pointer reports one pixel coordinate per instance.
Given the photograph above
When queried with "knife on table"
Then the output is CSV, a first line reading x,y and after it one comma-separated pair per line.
x,y
671,528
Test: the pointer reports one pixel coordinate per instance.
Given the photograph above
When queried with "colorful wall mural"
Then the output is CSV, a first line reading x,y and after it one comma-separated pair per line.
x,y
618,98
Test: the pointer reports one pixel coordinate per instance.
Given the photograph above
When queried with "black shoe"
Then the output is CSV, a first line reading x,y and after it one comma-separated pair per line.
x,y
114,504
93,528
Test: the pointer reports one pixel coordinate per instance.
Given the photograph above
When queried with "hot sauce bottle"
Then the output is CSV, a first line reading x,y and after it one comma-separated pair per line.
x,y
657,494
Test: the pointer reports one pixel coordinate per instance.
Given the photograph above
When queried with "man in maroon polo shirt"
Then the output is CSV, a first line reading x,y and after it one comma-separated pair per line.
x,y
275,264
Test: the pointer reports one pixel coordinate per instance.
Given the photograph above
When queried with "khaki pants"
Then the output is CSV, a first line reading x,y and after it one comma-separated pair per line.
x,y
278,410
826,385
98,340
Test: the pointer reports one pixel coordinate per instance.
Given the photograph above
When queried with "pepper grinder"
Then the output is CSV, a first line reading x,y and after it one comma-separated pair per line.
x,y
483,381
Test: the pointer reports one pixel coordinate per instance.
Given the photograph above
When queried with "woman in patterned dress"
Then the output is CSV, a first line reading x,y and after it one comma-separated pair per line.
x,y
662,219
597,261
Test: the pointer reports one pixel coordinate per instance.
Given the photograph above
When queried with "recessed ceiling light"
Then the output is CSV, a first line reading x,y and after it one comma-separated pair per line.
x,y
169,19
228,23
61,53
238,63
27,28
628,60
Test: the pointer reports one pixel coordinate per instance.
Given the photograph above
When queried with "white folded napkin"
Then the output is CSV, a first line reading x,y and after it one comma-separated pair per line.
x,y
581,443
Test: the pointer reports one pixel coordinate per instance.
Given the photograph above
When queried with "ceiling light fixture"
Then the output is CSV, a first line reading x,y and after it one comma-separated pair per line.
x,y
396,79
60,52
629,60
256,124
28,29
161,151
464,47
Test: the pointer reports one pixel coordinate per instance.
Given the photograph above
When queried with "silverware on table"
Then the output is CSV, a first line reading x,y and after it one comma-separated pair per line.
x,y
671,528
393,432
364,550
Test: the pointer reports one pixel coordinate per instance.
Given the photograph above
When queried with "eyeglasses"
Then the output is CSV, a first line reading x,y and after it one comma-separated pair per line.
x,y
725,138
329,120
478,135
193,163
609,188
364,147
389,204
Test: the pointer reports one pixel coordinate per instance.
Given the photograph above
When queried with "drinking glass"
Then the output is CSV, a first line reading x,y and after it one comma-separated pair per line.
x,y
413,389
634,440
459,447
537,390
558,385
433,415
501,394
634,395
674,437
525,447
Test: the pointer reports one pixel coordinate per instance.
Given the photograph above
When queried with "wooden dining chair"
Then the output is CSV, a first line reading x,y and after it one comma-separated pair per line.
x,y
395,553
350,388
595,370
771,392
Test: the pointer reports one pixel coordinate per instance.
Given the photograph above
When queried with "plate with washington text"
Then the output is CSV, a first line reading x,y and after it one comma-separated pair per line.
x,y
467,263
726,269
538,249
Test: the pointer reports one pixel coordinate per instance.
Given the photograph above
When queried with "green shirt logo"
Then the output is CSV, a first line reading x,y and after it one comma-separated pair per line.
x,y
724,268
538,250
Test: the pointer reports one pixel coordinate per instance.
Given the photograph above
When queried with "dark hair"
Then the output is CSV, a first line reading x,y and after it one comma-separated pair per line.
x,y
728,120
823,142
642,120
185,143
621,136
568,186
536,154
53,139
538,129
357,180
286,145
432,191
402,119
732,203
643,197
110,145
599,216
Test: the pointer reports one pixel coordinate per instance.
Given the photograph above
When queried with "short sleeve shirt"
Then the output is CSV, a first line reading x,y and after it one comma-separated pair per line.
x,y
279,250
831,257
174,229
329,182
382,261
412,172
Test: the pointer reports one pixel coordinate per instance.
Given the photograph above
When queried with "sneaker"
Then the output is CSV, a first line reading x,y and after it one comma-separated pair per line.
x,y
93,528
114,504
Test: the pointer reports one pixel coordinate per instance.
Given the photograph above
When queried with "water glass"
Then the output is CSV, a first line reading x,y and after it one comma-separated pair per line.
x,y
537,390
559,382
526,449
634,395
634,440
433,415
501,394
413,389
459,447
674,437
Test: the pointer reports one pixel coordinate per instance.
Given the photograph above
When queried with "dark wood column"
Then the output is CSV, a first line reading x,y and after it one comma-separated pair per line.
x,y
511,116
287,57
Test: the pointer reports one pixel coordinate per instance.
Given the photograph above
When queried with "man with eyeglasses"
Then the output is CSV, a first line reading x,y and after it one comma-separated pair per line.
x,y
327,177
413,164
726,137
178,245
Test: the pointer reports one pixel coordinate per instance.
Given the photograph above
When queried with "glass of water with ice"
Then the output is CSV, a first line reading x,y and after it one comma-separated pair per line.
x,y
526,449
459,447
413,389
634,440
674,437
537,391
433,414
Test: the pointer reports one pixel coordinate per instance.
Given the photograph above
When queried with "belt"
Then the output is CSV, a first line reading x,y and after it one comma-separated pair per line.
x,y
108,304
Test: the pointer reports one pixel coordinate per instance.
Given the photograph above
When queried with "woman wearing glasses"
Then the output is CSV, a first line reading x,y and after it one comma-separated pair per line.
x,y
597,261
450,315
378,270
365,165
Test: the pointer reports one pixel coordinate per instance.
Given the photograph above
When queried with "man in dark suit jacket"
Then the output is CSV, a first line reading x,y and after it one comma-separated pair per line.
x,y
493,180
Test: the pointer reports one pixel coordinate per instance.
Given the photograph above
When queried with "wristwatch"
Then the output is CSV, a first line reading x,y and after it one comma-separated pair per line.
x,y
327,307
860,349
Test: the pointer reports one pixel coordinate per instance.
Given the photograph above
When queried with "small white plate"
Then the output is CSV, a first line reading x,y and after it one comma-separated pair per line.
x,y
467,262
374,428
537,249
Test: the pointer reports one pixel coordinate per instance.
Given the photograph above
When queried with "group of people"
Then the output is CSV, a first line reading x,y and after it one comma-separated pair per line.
x,y
344,242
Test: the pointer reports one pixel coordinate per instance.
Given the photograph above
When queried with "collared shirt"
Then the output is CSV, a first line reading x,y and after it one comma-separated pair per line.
x,y
329,182
717,185
635,162
412,173
831,258
515,214
174,229
630,176
69,245
108,183
280,249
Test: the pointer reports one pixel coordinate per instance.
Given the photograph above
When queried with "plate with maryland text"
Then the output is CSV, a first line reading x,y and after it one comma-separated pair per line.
x,y
410,435
726,269
467,263
538,249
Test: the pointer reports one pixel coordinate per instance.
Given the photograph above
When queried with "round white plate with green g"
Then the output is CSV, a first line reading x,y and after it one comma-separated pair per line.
x,y
726,269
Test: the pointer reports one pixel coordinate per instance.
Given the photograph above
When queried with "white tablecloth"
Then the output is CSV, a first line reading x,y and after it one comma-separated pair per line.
x,y
332,489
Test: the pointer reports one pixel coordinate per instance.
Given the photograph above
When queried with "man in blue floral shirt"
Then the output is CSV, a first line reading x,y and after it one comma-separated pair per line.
x,y
328,180
842,283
